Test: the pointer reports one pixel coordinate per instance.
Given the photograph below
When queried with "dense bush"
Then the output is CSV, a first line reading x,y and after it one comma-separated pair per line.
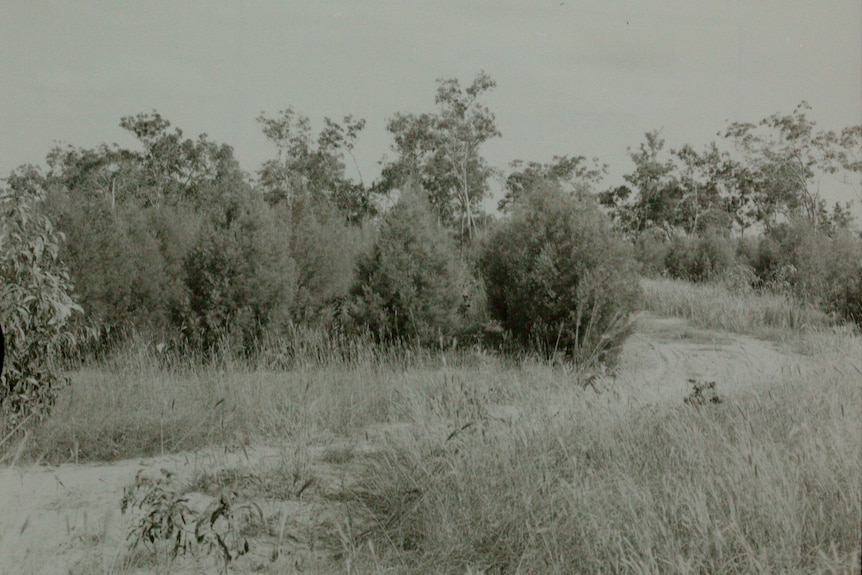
x,y
176,230
324,248
700,258
410,285
126,261
558,279
842,283
651,249
822,266
239,275
35,305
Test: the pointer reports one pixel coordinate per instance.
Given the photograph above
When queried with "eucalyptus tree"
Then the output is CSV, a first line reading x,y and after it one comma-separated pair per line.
x,y
308,170
441,152
574,174
785,159
35,299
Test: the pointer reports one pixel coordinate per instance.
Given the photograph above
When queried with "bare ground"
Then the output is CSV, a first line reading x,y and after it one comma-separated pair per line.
x,y
67,519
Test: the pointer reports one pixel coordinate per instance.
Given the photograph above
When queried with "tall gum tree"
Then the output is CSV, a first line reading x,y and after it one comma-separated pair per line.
x,y
308,169
785,158
441,151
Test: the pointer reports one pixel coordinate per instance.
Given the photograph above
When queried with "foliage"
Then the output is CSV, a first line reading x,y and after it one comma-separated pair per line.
x,y
651,249
325,249
784,154
314,172
700,258
558,279
440,151
115,261
702,393
843,294
574,174
822,266
773,174
35,301
165,516
239,275
411,283
711,305
656,191
171,169
130,217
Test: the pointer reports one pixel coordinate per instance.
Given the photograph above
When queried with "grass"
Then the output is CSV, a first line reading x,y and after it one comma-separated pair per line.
x,y
482,465
713,306
766,483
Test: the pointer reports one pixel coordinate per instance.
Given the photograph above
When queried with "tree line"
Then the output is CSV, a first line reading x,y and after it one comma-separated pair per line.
x,y
174,239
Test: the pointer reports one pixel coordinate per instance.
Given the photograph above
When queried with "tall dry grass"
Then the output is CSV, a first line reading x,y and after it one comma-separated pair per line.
x,y
714,306
512,467
766,483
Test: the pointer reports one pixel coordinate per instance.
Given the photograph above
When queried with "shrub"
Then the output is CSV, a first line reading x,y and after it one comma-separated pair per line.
x,y
101,260
125,260
239,275
409,286
843,282
558,279
815,265
176,229
700,258
651,249
35,305
324,248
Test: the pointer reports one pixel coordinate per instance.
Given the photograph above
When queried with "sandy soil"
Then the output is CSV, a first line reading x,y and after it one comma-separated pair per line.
x,y
664,354
67,519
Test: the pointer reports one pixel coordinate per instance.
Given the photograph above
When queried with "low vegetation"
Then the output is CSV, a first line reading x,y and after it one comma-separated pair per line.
x,y
500,467
747,311
457,369
765,483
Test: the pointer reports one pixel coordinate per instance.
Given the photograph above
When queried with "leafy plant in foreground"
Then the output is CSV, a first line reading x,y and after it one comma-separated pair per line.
x,y
165,516
35,301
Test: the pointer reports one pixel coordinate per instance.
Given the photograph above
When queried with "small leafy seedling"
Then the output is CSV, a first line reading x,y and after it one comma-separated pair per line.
x,y
702,393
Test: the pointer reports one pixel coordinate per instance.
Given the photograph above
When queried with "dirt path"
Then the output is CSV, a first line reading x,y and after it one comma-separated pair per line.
x,y
67,519
664,354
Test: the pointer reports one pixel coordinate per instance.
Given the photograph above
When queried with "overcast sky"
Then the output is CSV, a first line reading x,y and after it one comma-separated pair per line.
x,y
573,77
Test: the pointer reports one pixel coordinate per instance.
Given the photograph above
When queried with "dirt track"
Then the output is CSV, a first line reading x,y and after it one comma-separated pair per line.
x,y
67,519
665,353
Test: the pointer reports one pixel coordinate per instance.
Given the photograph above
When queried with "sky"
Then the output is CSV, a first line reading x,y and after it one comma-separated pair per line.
x,y
573,77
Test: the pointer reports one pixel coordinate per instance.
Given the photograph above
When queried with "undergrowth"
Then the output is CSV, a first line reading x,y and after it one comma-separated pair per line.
x,y
482,464
747,311
768,482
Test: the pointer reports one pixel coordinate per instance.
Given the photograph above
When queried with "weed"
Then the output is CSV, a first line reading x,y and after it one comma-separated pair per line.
x,y
166,519
165,515
702,393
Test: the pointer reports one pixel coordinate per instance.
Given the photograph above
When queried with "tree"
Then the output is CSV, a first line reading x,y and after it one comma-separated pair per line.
x,y
654,195
305,170
324,248
708,188
174,169
35,300
239,274
129,216
573,174
786,157
440,151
